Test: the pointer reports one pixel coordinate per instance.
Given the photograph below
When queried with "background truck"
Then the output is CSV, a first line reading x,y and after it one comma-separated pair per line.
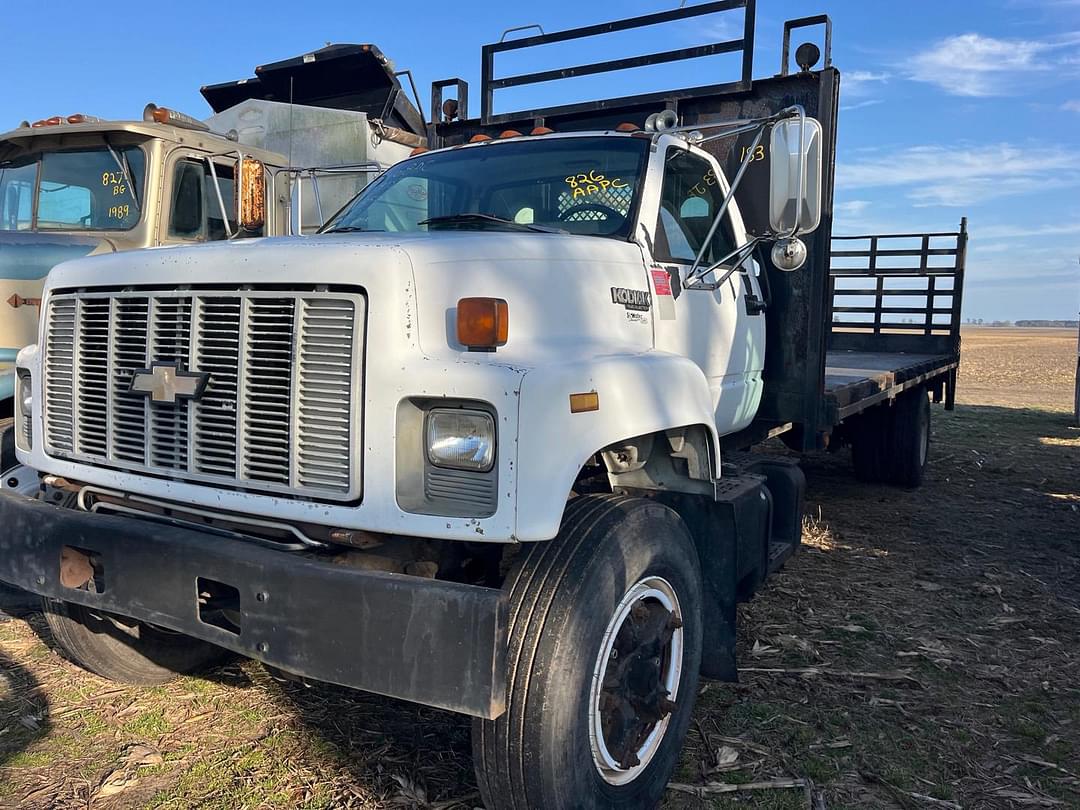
x,y
481,444
76,185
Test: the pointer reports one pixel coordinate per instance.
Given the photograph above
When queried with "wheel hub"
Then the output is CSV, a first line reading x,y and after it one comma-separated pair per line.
x,y
638,671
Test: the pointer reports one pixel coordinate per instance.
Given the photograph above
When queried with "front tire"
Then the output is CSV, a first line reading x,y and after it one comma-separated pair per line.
x,y
603,659
125,650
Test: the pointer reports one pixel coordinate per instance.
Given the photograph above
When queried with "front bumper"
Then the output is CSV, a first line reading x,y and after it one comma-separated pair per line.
x,y
437,643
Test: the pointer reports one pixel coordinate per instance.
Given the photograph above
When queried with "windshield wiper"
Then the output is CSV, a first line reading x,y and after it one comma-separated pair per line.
x,y
122,165
352,229
480,219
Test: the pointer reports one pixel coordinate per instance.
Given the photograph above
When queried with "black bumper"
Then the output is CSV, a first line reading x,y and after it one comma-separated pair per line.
x,y
437,643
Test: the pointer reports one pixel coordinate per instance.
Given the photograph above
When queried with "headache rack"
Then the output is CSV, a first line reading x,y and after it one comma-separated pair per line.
x,y
743,45
451,122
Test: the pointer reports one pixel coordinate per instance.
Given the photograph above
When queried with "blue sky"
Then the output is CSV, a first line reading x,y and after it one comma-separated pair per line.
x,y
949,108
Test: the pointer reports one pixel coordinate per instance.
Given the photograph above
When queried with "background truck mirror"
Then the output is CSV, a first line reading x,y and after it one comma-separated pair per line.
x,y
795,153
250,194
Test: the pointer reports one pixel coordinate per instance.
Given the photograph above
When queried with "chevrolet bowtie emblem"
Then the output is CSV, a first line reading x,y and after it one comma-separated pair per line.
x,y
167,382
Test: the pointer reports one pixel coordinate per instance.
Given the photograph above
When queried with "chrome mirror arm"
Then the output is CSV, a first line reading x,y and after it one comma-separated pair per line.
x,y
695,280
747,160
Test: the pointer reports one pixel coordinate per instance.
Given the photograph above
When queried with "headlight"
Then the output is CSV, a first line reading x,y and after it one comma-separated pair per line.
x,y
25,395
462,440
24,404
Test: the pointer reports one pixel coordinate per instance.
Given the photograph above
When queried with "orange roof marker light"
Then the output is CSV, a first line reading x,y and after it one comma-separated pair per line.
x,y
627,127
542,131
479,138
510,133
482,323
56,120
163,115
419,150
80,118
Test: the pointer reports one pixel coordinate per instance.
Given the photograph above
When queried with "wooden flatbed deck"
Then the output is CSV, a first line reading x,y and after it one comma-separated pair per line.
x,y
857,380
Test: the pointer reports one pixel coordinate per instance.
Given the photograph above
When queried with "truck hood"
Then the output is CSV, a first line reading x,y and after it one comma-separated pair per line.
x,y
558,286
27,256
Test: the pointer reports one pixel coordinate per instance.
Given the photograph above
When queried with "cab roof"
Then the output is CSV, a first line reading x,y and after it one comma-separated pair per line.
x,y
24,137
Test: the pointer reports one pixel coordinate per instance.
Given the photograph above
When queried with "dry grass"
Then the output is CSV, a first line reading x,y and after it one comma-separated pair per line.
x,y
922,651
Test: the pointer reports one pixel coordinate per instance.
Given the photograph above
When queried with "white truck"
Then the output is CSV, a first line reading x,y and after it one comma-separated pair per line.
x,y
312,131
479,444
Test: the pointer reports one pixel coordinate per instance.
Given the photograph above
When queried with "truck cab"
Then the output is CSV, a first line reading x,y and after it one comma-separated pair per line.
x,y
76,187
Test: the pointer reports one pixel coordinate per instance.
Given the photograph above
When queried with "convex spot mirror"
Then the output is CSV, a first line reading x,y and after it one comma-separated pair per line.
x,y
250,194
795,150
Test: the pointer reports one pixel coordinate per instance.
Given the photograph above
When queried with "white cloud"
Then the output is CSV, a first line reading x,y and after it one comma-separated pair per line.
x,y
977,65
870,102
1072,106
964,174
852,208
861,82
1015,232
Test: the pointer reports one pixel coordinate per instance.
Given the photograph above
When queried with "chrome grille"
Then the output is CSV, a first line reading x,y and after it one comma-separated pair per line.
x,y
280,410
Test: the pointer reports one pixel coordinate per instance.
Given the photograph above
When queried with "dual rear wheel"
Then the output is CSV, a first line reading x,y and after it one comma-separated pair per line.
x,y
891,444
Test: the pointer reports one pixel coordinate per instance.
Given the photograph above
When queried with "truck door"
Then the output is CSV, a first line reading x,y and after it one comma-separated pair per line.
x,y
714,328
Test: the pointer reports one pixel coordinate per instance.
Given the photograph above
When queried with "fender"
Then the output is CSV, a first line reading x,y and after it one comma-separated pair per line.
x,y
637,393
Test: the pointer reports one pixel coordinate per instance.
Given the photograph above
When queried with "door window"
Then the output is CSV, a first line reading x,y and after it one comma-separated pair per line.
x,y
17,196
196,211
690,198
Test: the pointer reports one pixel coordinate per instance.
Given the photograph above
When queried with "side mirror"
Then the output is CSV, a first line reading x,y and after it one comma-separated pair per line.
x,y
250,194
795,176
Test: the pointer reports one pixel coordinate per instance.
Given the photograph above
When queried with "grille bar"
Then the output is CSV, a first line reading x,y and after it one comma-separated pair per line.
x,y
280,411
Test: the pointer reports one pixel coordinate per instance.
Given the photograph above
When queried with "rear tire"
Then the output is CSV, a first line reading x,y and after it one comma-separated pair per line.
x,y
576,721
125,650
909,439
869,442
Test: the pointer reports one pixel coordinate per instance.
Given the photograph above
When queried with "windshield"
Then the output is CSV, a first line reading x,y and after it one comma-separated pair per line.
x,y
73,190
583,185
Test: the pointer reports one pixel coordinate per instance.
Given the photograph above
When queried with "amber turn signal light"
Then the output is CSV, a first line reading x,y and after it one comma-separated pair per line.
x,y
482,323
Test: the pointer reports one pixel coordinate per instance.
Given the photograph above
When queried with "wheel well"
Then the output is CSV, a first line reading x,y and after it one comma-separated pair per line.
x,y
674,460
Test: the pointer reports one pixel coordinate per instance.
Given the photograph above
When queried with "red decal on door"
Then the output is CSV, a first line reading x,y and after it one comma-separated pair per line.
x,y
661,281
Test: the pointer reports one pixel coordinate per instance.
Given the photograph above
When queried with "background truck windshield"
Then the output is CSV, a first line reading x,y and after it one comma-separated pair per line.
x,y
73,190
584,185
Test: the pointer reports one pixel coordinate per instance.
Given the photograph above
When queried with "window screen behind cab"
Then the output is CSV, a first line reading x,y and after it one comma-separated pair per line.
x,y
690,198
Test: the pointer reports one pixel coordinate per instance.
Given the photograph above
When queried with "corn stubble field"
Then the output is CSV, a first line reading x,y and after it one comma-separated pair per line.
x,y
922,651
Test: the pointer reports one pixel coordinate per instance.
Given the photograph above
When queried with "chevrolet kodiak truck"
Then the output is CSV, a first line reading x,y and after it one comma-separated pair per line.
x,y
481,443
77,185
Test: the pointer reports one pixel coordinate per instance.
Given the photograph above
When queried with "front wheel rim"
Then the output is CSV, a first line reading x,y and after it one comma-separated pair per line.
x,y
636,680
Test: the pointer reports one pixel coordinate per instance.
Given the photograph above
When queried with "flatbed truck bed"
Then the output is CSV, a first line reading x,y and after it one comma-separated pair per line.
x,y
894,318
855,381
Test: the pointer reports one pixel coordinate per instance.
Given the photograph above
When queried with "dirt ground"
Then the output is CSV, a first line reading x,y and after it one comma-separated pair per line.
x,y
921,651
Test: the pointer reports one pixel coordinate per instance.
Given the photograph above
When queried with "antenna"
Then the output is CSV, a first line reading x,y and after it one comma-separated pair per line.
x,y
289,171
